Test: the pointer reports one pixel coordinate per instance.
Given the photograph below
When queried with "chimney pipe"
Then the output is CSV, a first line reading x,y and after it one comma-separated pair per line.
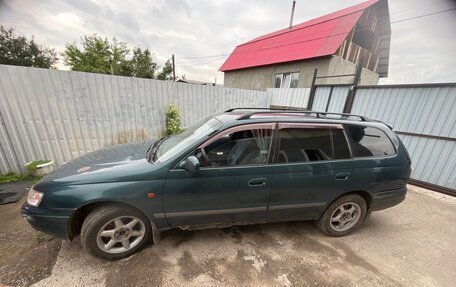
x,y
292,13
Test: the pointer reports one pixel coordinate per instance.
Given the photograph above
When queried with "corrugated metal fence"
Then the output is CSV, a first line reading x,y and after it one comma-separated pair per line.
x,y
330,99
296,98
59,115
424,117
425,120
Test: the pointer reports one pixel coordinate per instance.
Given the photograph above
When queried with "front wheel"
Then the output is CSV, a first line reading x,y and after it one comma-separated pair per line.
x,y
343,215
113,232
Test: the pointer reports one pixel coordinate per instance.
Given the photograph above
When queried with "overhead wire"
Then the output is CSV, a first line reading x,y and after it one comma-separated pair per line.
x,y
308,40
414,8
200,63
203,57
424,15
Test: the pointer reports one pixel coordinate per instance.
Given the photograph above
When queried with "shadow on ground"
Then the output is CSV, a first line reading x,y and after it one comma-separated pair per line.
x,y
276,254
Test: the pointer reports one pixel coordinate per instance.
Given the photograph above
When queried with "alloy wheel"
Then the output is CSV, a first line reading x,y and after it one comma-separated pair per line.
x,y
121,234
345,216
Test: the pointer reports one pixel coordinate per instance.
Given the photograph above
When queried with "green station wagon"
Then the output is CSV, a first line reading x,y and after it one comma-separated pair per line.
x,y
243,166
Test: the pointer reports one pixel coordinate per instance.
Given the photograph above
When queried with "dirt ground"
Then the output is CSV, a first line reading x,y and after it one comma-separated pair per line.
x,y
26,255
408,245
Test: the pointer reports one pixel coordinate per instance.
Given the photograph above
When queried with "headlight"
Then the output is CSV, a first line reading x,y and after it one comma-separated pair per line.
x,y
34,197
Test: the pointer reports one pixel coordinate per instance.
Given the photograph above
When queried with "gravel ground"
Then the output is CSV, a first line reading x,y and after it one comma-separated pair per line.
x,y
408,245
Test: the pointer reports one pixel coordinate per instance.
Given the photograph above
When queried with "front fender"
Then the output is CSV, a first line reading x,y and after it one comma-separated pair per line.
x,y
135,193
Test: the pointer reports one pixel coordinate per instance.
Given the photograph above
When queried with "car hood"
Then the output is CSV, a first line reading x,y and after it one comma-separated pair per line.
x,y
125,162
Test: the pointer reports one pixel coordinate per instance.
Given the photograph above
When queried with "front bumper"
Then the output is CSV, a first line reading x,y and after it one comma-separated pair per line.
x,y
53,222
389,198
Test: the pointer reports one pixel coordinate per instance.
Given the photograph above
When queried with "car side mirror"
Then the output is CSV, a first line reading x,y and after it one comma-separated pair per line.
x,y
192,164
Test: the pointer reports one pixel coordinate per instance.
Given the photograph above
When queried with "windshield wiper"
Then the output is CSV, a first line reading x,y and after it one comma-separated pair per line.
x,y
150,155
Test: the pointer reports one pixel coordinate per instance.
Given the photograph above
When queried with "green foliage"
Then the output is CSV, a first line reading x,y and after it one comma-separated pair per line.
x,y
34,179
173,120
34,164
167,72
12,177
99,55
142,64
19,51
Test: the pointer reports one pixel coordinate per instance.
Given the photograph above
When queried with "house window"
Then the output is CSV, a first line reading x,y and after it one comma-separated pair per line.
x,y
286,80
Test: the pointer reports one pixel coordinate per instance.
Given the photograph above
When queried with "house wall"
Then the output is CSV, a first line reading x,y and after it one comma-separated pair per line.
x,y
340,66
262,78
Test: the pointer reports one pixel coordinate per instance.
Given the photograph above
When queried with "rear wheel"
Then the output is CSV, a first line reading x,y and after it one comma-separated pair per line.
x,y
113,232
343,216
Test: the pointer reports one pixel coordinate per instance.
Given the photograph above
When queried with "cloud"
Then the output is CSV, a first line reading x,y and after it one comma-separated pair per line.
x,y
422,50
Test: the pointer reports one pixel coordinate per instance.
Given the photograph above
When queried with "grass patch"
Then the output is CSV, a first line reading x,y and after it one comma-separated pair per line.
x,y
12,177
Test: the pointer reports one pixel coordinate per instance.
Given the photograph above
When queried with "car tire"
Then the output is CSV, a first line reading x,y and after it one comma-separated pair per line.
x,y
114,232
343,216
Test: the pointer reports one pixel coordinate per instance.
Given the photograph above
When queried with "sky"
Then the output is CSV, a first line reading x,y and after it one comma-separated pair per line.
x,y
201,34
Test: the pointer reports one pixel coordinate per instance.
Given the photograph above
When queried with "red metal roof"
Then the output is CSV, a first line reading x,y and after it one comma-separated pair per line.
x,y
315,38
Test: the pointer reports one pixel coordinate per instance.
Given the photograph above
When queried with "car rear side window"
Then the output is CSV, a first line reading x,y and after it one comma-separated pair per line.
x,y
312,144
341,150
368,141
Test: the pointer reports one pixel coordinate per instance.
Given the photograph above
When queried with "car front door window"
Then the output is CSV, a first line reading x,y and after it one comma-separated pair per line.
x,y
240,147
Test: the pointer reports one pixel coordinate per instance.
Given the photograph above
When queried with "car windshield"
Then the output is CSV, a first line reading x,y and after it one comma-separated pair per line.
x,y
169,147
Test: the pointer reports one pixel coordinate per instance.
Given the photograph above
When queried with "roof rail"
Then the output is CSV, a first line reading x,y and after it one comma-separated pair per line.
x,y
267,109
248,115
389,125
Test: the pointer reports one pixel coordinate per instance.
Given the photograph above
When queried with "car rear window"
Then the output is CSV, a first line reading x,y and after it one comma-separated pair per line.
x,y
368,141
312,144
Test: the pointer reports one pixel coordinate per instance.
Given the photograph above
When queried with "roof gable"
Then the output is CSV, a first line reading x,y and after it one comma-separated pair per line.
x,y
315,38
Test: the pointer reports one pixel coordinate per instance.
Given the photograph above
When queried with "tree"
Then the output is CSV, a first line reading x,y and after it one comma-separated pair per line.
x,y
98,55
142,64
167,72
19,51
119,62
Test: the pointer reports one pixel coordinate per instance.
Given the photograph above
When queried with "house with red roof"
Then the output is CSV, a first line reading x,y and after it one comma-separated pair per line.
x,y
334,44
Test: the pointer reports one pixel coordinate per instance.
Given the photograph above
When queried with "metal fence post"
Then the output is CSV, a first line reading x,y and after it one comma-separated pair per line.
x,y
352,92
312,90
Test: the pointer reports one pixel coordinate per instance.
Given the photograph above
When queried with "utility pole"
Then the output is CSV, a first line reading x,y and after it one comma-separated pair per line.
x,y
110,64
292,13
174,68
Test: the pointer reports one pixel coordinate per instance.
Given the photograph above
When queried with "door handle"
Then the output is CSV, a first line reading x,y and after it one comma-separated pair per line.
x,y
342,176
258,182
